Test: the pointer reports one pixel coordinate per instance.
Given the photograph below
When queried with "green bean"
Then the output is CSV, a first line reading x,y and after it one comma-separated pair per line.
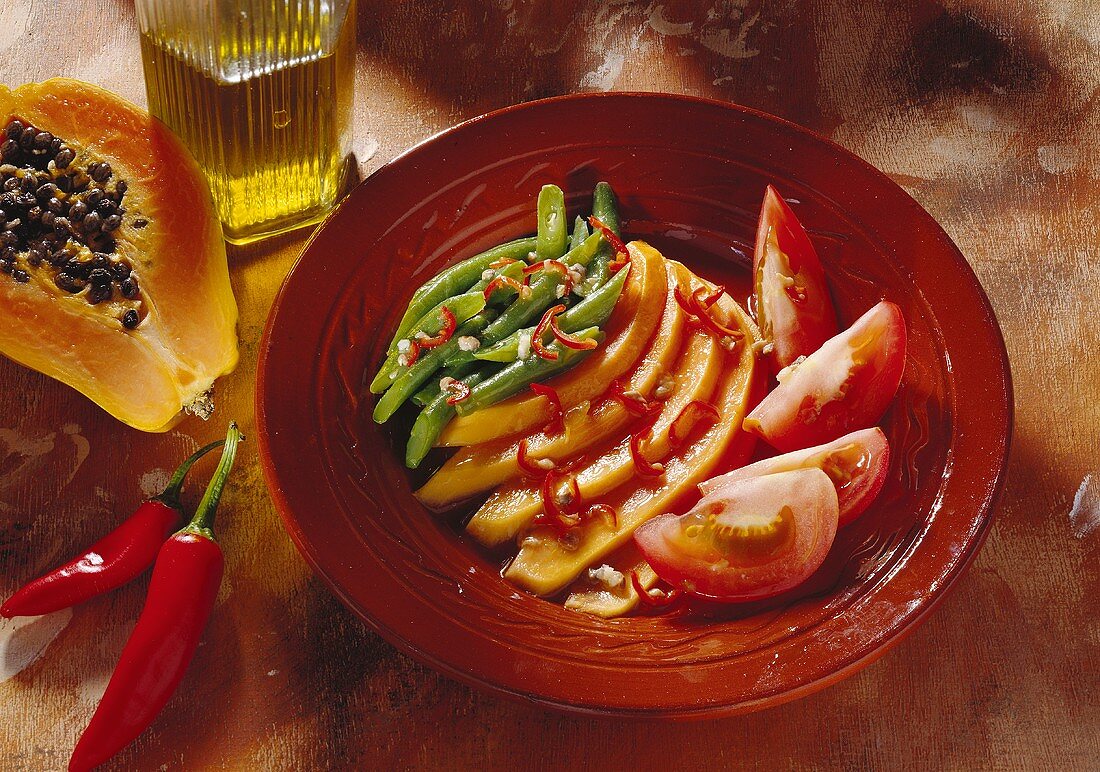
x,y
606,210
456,280
553,234
386,374
524,372
544,292
433,419
580,232
463,307
592,311
412,378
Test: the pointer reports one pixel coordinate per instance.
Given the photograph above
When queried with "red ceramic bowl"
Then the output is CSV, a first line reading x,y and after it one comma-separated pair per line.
x,y
690,174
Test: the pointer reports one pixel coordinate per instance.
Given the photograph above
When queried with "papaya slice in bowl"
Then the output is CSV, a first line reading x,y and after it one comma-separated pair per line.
x,y
113,273
545,565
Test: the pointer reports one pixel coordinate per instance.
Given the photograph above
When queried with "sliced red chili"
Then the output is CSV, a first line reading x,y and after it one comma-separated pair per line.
x,y
554,514
694,308
444,334
643,466
412,354
615,242
502,262
557,422
550,265
459,390
606,511
525,463
577,344
635,404
506,281
691,413
660,600
540,329
706,301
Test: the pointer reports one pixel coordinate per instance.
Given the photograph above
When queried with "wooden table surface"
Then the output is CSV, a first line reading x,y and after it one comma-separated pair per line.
x,y
985,111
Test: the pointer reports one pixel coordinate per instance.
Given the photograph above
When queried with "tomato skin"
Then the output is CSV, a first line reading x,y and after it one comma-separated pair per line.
x,y
803,501
795,328
863,454
846,384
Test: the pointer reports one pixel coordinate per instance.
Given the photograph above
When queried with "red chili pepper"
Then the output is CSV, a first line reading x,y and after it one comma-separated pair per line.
x,y
577,344
181,596
412,354
112,561
660,600
687,418
606,511
460,390
506,281
635,404
557,422
524,462
445,333
694,308
706,301
556,265
643,466
540,330
559,517
615,242
502,262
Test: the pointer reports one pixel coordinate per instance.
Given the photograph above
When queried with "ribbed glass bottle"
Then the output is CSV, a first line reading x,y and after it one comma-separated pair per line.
x,y
261,93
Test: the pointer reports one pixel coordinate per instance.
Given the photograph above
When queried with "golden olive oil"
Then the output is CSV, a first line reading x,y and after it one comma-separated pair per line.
x,y
261,94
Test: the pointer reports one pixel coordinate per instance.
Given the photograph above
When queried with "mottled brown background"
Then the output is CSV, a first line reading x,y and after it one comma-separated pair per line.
x,y
985,111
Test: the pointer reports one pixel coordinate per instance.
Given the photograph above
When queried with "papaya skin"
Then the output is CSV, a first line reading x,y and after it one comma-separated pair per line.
x,y
632,324
187,338
478,468
544,567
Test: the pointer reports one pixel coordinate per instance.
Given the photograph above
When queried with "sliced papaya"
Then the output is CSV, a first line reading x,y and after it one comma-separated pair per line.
x,y
512,507
594,595
631,324
545,564
113,274
478,468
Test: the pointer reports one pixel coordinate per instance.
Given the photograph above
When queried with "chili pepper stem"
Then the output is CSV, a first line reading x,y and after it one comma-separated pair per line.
x,y
202,523
171,493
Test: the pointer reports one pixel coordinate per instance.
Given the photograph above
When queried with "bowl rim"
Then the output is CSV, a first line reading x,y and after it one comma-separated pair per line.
x,y
867,652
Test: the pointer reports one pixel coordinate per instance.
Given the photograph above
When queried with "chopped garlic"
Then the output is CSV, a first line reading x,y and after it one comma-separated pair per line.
x,y
545,463
468,343
763,347
607,576
488,274
560,291
664,386
788,371
403,360
728,342
524,349
532,256
447,382
422,335
404,346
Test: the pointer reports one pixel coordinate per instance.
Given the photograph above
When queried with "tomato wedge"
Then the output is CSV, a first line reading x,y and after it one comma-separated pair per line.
x,y
793,305
844,385
753,539
857,464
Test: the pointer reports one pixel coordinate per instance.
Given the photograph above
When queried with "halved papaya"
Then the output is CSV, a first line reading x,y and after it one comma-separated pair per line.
x,y
113,274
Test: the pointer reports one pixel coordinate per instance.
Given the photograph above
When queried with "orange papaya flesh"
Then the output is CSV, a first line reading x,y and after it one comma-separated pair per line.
x,y
113,277
545,565
629,328
478,468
